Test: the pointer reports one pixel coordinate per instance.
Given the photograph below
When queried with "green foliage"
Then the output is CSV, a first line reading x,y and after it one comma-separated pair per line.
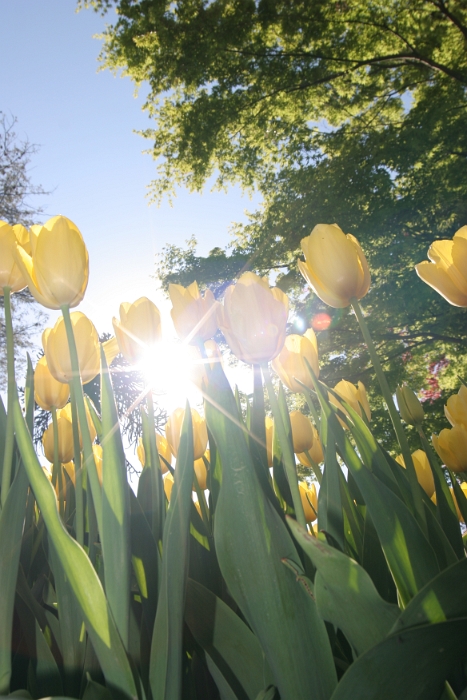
x,y
237,603
334,111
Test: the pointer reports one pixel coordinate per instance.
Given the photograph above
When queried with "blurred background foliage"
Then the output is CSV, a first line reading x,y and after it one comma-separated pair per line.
x,y
333,111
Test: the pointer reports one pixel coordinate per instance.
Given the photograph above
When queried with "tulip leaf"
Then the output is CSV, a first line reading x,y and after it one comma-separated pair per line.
x,y
460,496
78,570
115,533
374,562
281,614
330,517
230,645
43,676
11,531
443,598
345,594
146,560
167,649
409,554
412,663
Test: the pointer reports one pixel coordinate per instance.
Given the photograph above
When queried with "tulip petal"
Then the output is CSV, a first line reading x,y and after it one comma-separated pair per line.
x,y
437,278
61,263
322,292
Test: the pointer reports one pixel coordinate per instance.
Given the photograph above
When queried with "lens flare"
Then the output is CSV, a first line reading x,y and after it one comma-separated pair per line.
x,y
321,322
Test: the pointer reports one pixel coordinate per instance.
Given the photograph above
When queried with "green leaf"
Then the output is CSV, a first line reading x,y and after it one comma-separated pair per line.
x,y
251,542
228,642
345,594
410,664
443,598
409,554
166,649
78,570
330,516
145,559
115,534
11,531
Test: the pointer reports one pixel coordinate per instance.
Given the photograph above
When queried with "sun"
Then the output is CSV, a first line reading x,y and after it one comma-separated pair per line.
x,y
171,369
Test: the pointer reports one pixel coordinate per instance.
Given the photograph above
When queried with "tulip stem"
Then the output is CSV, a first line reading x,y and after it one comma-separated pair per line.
x,y
396,421
287,449
10,431
57,475
158,499
79,499
75,383
315,467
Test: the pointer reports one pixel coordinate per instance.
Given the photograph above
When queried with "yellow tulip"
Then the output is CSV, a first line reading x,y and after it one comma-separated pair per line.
x,y
302,432
194,316
422,469
197,364
464,489
57,269
98,458
355,396
315,451
48,392
253,319
69,467
447,272
55,344
410,407
168,485
10,274
173,429
65,437
138,329
451,445
163,449
456,407
335,266
269,436
309,500
201,471
290,363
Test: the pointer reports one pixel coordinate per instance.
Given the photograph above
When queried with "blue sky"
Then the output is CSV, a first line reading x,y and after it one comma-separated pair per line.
x,y
89,156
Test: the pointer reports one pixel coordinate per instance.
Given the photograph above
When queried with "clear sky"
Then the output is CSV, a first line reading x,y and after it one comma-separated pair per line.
x,y
90,157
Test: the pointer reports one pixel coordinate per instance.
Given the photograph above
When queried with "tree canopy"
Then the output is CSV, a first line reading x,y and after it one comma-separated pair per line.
x,y
334,110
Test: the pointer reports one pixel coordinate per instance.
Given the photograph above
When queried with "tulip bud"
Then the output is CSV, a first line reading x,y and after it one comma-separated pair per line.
x,y
168,485
253,319
456,407
98,459
447,272
138,329
57,270
173,429
269,437
464,489
194,316
302,432
410,407
422,469
355,396
10,274
57,353
309,499
335,266
197,364
163,449
315,451
201,472
451,445
290,364
48,392
65,437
